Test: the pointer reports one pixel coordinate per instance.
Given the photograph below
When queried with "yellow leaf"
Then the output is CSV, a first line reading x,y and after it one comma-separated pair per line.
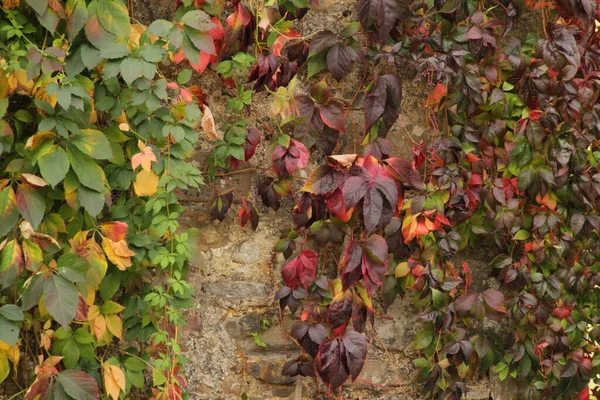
x,y
24,86
146,183
4,367
114,380
99,327
114,325
136,33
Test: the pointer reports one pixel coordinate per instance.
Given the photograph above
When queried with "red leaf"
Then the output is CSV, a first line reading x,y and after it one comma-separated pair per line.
x,y
323,180
465,302
309,337
286,161
404,170
374,263
248,213
339,60
495,300
340,311
115,231
350,264
301,270
341,357
332,115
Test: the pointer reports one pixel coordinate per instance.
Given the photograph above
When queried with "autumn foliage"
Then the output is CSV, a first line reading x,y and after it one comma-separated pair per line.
x,y
94,143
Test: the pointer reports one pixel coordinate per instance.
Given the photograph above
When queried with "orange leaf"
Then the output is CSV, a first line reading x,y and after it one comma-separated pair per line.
x,y
436,95
115,230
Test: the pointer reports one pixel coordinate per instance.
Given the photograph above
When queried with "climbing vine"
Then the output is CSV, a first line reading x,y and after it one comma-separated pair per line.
x,y
95,134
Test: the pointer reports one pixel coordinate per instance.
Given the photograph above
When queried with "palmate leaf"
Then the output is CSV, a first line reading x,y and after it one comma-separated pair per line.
x,y
341,358
383,101
382,13
378,191
300,270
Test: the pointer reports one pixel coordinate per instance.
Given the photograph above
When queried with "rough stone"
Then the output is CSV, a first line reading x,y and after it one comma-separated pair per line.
x,y
246,253
251,291
269,372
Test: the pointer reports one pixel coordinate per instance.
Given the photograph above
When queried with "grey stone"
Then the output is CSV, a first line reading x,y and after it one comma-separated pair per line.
x,y
246,253
236,290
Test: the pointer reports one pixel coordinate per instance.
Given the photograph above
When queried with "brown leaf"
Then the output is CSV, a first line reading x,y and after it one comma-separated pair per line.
x,y
208,125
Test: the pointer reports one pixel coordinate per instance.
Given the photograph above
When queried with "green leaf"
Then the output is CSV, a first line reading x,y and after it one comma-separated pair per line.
x,y
317,63
63,96
237,152
23,116
70,353
9,213
160,27
110,285
113,16
79,385
32,293
114,50
184,76
32,254
11,312
198,19
11,263
93,143
9,331
54,165
202,41
61,299
152,53
72,267
88,172
190,51
90,56
131,69
134,364
77,17
522,235
423,339
39,6
90,200
31,204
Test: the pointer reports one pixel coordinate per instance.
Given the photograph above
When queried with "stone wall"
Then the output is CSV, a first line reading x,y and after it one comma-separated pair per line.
x,y
236,274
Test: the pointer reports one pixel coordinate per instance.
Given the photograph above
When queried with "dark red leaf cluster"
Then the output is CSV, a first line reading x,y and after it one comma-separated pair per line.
x,y
300,271
341,358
